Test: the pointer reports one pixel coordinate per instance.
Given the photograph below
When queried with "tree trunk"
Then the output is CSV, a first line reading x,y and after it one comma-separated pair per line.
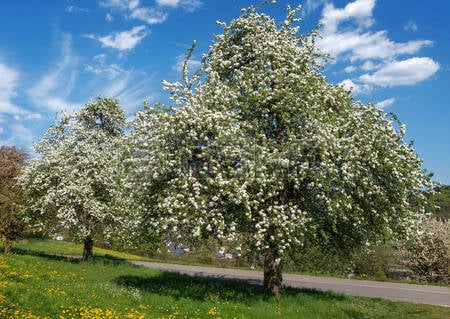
x,y
7,243
273,268
87,249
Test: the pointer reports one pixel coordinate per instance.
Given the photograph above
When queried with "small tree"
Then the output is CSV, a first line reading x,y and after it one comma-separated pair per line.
x,y
12,160
74,184
261,146
428,253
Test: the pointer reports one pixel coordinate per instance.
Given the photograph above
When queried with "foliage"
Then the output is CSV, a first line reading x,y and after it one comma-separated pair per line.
x,y
12,160
74,184
316,259
428,254
264,147
35,287
442,200
374,261
261,146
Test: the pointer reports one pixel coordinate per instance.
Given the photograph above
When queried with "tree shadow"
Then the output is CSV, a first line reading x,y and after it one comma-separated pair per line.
x,y
106,259
179,286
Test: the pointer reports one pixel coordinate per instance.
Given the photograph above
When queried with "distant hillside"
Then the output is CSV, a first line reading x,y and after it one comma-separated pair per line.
x,y
442,199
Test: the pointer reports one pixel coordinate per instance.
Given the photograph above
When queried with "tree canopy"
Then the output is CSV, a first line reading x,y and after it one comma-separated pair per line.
x,y
261,145
12,159
74,183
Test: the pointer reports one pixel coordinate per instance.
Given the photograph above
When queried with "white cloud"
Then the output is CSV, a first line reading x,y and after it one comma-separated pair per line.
x,y
133,4
109,17
149,15
72,9
385,103
9,80
33,116
171,3
410,26
355,88
188,5
131,89
350,69
311,5
100,67
368,66
18,135
111,70
367,45
54,87
122,41
193,64
376,60
355,42
405,72
120,4
359,10
22,133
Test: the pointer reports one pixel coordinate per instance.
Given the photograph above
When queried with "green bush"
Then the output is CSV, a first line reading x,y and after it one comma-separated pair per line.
x,y
375,261
315,259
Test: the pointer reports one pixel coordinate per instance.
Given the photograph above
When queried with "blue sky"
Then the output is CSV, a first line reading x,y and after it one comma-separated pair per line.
x,y
57,54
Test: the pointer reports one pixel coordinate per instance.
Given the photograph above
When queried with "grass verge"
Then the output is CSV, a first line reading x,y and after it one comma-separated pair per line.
x,y
47,286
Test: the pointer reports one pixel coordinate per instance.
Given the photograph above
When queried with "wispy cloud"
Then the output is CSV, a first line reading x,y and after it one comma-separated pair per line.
x,y
53,89
311,5
20,133
193,64
385,103
109,17
149,15
74,9
122,41
9,80
187,5
348,36
131,87
101,67
16,134
410,26
119,4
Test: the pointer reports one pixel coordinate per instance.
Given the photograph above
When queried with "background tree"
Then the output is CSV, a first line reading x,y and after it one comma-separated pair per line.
x,y
74,184
441,202
12,159
261,146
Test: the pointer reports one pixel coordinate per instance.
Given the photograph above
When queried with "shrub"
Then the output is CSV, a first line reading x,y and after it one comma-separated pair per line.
x,y
428,255
374,261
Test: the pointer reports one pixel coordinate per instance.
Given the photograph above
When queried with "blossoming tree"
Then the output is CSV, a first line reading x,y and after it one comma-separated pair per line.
x,y
74,183
261,145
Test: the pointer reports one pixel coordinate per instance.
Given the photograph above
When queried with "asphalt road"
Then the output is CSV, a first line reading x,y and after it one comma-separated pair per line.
x,y
433,295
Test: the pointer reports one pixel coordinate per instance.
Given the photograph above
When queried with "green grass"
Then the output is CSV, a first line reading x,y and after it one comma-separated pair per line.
x,y
55,247
43,285
64,248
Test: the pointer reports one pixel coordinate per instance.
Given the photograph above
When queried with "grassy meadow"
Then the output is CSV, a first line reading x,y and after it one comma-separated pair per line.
x,y
36,283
